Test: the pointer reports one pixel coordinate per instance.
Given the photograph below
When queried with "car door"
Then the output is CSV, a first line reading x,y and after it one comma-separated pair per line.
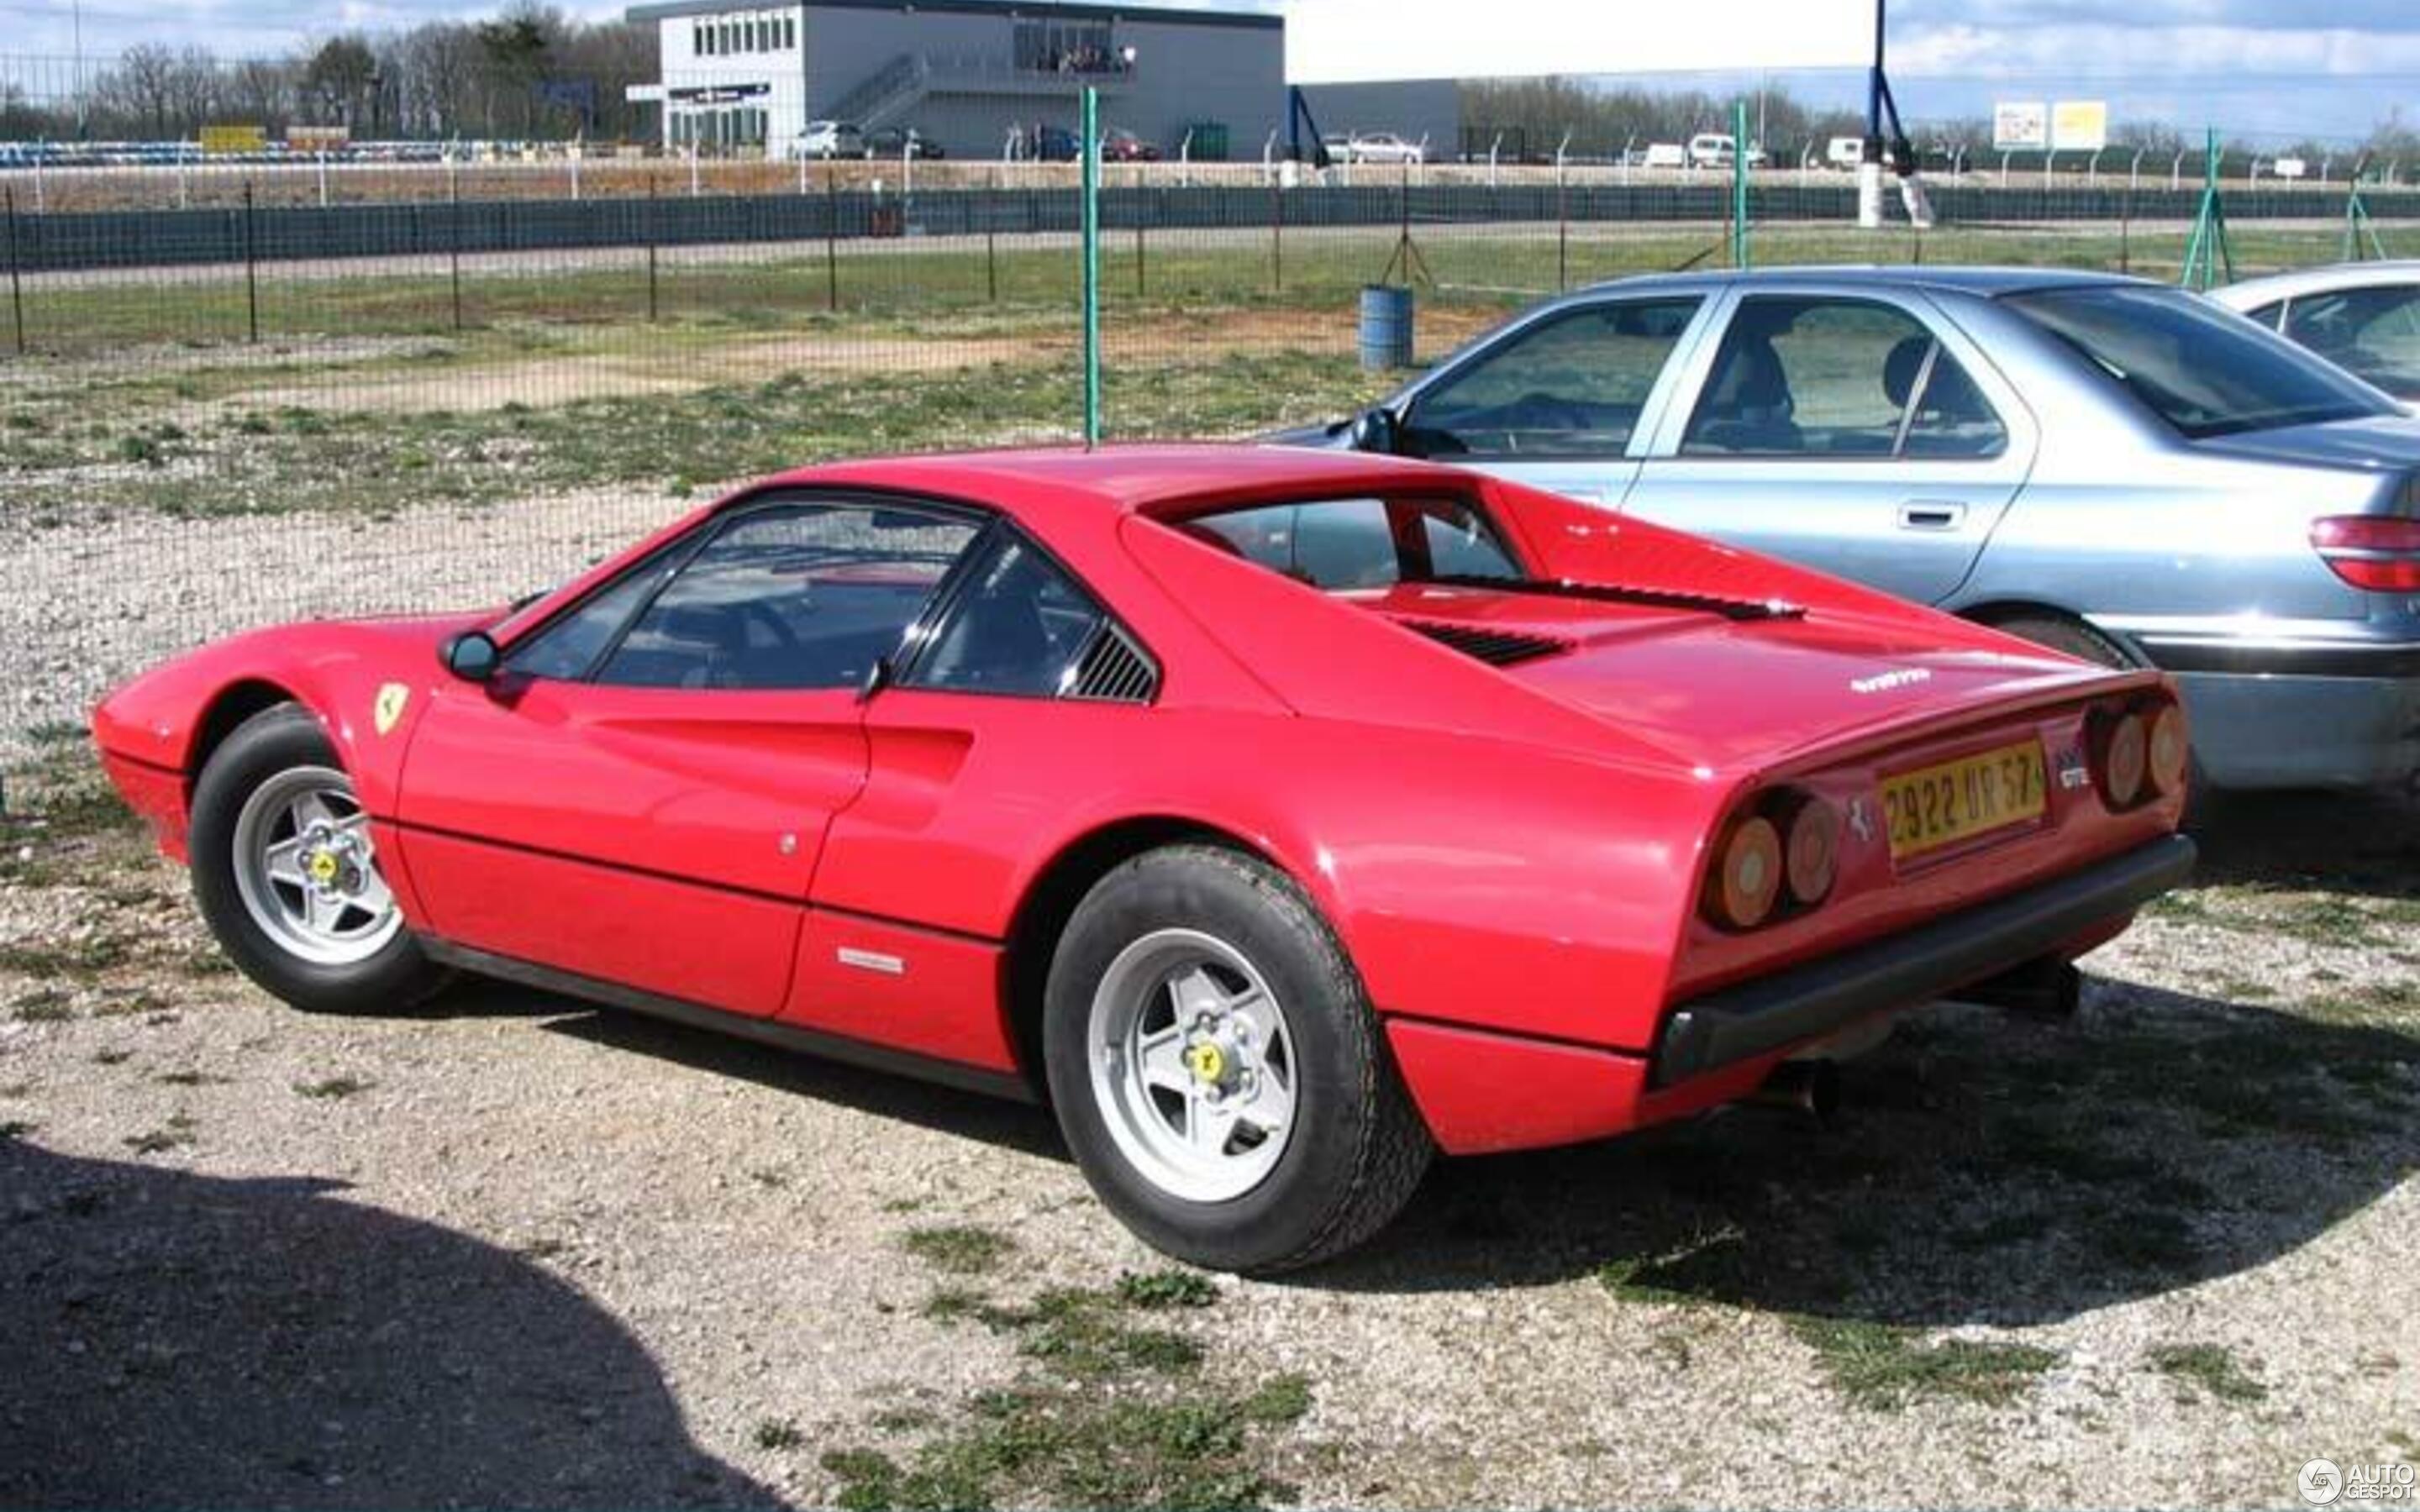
x,y
1861,434
641,794
1021,685
1562,402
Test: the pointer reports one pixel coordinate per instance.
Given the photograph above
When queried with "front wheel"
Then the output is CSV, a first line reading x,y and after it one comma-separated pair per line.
x,y
288,877
1217,1069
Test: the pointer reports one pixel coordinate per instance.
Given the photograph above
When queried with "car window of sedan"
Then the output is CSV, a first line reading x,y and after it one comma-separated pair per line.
x,y
1339,543
2371,332
1812,377
792,598
1571,386
1020,626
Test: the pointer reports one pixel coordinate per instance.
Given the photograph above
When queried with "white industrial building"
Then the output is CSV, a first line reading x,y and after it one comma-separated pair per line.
x,y
966,74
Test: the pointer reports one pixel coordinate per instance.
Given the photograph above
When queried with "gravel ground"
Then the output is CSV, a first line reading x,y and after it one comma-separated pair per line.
x,y
515,1252
61,649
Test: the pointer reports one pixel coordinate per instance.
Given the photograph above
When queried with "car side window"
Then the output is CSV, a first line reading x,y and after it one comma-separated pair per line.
x,y
566,648
792,596
1342,544
1834,377
1572,386
1020,626
2373,333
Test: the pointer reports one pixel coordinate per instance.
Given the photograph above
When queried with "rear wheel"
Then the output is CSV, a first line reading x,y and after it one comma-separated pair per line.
x,y
1217,1069
287,877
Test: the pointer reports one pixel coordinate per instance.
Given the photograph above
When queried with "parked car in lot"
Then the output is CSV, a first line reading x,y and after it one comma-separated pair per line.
x,y
1118,145
962,765
1380,147
831,139
2113,468
1665,155
2364,318
1716,149
895,142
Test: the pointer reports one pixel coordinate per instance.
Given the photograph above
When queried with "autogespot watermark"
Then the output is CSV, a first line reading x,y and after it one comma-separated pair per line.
x,y
2324,1483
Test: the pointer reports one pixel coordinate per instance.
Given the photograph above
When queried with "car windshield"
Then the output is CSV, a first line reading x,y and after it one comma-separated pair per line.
x,y
2204,370
1364,542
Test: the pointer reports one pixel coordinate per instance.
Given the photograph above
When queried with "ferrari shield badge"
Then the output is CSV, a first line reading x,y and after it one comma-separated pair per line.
x,y
389,707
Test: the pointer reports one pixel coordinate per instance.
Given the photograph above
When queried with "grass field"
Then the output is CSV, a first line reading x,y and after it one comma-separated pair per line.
x,y
371,391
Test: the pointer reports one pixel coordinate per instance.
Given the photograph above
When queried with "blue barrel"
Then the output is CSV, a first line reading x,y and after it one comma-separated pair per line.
x,y
1386,327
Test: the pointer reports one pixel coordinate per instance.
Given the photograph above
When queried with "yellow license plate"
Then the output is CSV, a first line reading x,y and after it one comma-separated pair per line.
x,y
1943,804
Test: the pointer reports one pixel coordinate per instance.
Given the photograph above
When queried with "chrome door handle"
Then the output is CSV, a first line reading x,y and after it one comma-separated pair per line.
x,y
1931,515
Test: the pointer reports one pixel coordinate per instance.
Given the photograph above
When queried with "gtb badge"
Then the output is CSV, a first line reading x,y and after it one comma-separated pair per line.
x,y
2073,773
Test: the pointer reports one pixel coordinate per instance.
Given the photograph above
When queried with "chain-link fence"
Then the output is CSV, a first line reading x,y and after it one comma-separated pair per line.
x,y
230,396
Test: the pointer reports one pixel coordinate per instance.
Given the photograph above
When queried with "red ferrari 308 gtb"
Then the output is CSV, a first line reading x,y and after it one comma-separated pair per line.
x,y
1288,816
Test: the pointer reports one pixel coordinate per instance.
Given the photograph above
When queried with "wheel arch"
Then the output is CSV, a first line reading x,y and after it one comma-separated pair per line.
x,y
1050,898
1998,614
226,712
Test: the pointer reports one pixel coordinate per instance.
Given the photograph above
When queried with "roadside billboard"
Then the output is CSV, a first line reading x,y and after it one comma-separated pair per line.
x,y
233,138
2079,125
2021,125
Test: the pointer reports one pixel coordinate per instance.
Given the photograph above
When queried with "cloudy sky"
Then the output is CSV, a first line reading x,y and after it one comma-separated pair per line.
x,y
2324,68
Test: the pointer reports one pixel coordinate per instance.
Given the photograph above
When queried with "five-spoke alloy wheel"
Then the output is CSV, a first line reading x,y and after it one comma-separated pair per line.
x,y
1217,1068
287,873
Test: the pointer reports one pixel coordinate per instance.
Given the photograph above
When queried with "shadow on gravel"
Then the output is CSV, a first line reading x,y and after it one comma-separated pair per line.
x,y
185,1340
1984,1171
2368,845
1017,1126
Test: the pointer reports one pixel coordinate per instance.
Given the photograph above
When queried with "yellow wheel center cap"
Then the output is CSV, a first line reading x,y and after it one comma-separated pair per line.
x,y
324,867
1206,1060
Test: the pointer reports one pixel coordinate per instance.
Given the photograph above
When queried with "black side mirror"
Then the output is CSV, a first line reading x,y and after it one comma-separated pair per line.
x,y
471,656
1377,430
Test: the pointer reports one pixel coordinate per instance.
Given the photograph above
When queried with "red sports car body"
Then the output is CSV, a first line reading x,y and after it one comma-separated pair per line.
x,y
1341,807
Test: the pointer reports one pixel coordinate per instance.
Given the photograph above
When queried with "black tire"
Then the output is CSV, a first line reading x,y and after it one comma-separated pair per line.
x,y
399,976
2073,637
1356,1148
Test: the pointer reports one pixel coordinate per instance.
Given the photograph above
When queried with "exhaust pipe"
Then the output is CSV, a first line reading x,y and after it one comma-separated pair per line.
x,y
2043,988
1811,1088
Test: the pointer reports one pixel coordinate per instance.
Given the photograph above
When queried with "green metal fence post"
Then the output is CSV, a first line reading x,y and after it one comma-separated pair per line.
x,y
831,237
251,271
1092,149
454,249
2208,252
1739,183
16,278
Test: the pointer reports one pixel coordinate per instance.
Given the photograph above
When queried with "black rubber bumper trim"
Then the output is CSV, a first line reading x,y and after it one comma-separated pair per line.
x,y
2383,659
1768,1012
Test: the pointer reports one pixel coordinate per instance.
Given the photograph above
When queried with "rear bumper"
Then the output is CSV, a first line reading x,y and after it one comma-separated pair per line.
x,y
2297,730
1770,1013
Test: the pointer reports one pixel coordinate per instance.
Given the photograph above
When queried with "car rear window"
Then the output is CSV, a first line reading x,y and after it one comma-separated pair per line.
x,y
1364,542
2204,370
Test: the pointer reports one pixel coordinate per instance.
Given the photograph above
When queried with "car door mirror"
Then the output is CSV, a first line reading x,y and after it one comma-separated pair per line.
x,y
472,655
1377,430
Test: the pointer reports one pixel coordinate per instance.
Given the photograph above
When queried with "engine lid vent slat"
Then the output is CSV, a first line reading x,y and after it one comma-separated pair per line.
x,y
1497,648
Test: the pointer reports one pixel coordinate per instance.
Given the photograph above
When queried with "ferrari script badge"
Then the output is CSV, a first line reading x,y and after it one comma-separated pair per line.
x,y
389,707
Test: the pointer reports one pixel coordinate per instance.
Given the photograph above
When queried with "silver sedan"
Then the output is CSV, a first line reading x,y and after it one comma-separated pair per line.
x,y
2106,466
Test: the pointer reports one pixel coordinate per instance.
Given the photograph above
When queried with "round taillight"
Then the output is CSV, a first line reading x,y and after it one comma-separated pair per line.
x,y
1748,875
1812,851
2124,760
2170,752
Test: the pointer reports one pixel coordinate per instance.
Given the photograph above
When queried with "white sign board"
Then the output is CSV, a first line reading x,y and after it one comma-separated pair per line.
x,y
2021,125
1368,41
2079,125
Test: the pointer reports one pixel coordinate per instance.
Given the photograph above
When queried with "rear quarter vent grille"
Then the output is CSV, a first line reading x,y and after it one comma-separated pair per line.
x,y
1114,671
1497,648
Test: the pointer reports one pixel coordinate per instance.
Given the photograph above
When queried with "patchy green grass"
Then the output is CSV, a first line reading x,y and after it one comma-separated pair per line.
x,y
2211,1369
1883,1368
1109,1412
777,1434
43,1005
16,1127
959,1249
180,1131
334,1088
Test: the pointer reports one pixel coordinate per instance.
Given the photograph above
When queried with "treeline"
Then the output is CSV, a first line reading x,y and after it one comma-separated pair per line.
x,y
529,73
1535,116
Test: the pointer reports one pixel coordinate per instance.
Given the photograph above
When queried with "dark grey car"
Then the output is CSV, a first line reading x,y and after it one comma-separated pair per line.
x,y
2108,466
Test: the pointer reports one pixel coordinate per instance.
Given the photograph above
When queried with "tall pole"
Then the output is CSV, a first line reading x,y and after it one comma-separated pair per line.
x,y
1739,183
1092,191
1870,170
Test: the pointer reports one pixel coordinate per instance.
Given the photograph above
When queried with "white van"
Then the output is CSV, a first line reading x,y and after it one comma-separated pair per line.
x,y
1665,155
1715,149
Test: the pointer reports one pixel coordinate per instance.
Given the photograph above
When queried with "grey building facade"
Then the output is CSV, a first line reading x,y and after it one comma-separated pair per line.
x,y
966,74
